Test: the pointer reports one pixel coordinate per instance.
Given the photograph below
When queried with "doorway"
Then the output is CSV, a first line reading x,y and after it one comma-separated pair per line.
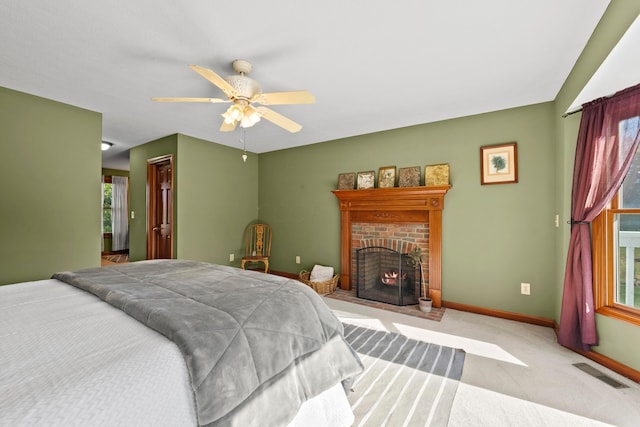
x,y
115,211
160,207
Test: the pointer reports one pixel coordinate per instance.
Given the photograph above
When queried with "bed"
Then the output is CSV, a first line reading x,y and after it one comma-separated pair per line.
x,y
130,345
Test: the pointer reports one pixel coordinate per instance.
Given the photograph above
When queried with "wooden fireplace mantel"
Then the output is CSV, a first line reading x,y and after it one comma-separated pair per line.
x,y
394,205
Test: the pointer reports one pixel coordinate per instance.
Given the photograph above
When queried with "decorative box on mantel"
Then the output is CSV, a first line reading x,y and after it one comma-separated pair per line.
x,y
397,205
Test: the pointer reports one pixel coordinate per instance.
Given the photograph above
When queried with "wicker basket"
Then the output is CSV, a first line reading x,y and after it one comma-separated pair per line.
x,y
325,287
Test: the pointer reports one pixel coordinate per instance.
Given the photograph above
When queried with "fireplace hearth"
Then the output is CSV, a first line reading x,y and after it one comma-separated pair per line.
x,y
386,275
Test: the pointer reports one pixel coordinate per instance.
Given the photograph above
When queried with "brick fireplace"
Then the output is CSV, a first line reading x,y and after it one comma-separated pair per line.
x,y
401,237
400,219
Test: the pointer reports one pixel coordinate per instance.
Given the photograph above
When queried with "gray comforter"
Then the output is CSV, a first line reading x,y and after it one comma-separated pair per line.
x,y
256,345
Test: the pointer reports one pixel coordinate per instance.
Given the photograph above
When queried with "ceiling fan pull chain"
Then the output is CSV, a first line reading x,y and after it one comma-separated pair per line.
x,y
244,146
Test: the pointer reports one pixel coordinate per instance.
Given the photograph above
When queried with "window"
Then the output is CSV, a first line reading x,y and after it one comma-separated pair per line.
x,y
107,197
616,243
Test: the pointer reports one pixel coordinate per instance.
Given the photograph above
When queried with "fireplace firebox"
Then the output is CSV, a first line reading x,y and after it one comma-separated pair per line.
x,y
386,275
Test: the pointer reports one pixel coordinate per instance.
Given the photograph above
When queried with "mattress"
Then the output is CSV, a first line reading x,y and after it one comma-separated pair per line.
x,y
69,358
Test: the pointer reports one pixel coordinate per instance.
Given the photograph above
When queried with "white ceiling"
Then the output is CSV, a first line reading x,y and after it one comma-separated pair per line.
x,y
618,71
372,66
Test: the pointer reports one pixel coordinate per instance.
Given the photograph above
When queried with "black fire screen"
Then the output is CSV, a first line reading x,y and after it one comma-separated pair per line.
x,y
387,276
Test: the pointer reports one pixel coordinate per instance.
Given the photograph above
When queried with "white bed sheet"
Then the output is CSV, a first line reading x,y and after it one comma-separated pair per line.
x,y
68,358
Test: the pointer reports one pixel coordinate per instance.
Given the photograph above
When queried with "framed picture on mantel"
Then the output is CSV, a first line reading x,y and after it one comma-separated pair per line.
x,y
366,179
435,175
409,177
387,177
347,181
499,164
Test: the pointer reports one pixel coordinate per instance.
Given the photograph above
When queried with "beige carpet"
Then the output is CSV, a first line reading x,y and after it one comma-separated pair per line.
x,y
515,374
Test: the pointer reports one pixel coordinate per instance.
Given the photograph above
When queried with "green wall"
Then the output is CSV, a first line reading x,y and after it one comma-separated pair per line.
x,y
114,172
618,340
501,235
215,197
50,170
218,198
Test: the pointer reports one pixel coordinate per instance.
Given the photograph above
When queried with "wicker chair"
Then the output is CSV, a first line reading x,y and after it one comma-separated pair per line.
x,y
257,245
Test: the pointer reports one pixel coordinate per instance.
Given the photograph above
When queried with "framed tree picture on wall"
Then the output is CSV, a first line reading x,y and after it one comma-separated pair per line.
x,y
499,164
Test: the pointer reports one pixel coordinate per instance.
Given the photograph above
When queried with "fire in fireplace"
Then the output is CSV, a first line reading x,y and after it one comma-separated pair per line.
x,y
387,276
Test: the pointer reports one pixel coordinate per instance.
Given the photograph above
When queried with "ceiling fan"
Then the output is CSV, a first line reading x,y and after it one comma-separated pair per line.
x,y
243,92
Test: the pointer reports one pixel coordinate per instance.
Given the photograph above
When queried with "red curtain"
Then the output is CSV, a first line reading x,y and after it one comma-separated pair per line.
x,y
603,157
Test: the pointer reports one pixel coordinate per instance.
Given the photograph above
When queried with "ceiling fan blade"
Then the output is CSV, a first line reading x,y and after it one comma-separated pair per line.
x,y
228,127
280,98
279,119
212,100
215,79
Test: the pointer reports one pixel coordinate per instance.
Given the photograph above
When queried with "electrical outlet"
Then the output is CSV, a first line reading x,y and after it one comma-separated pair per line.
x,y
133,215
297,259
231,257
525,288
557,220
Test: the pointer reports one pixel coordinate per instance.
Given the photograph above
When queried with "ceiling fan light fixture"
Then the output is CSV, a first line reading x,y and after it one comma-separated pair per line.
x,y
228,119
250,117
247,121
243,114
242,91
233,114
253,114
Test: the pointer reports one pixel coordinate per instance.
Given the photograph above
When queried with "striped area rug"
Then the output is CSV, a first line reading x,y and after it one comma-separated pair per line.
x,y
406,382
